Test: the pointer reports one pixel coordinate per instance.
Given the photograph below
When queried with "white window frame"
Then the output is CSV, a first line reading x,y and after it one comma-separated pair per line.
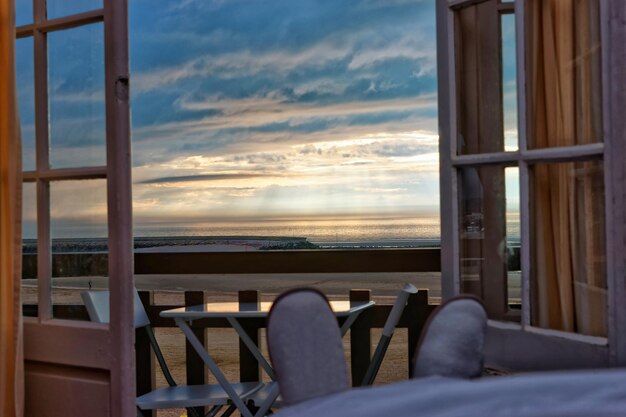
x,y
611,152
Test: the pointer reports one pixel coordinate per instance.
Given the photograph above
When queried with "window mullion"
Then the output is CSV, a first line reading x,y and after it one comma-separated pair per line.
x,y
525,240
44,257
525,249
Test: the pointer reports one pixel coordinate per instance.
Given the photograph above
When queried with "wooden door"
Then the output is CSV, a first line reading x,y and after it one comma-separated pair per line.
x,y
80,155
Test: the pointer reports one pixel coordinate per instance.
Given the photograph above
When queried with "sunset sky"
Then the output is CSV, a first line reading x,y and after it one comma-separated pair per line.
x,y
254,109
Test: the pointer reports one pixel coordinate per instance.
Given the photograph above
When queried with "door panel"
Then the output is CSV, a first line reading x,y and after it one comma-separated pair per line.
x,y
70,391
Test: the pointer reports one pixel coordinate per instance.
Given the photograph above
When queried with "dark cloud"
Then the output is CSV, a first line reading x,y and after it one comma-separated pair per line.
x,y
201,177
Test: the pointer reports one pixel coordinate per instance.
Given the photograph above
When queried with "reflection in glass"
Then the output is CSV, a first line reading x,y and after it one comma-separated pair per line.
x,y
513,237
23,13
479,79
569,262
76,94
61,8
25,78
484,224
29,245
509,82
29,227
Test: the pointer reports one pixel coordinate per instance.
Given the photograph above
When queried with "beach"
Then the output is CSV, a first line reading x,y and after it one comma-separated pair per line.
x,y
223,343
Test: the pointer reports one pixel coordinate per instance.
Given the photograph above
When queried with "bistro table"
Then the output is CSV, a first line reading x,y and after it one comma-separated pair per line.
x,y
233,312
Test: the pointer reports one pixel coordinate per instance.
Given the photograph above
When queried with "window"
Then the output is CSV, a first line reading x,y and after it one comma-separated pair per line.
x,y
530,200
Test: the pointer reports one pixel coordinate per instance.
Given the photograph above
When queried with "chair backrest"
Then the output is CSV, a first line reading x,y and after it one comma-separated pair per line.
x,y
390,326
97,304
305,346
452,341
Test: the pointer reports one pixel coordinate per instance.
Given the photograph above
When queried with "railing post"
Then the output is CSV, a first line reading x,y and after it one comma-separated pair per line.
x,y
417,310
194,365
144,360
248,365
360,339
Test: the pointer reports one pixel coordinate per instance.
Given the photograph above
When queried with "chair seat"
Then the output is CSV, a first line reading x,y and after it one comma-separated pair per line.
x,y
184,396
260,396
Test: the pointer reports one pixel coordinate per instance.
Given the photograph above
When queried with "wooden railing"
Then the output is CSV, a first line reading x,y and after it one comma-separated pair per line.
x,y
413,319
258,262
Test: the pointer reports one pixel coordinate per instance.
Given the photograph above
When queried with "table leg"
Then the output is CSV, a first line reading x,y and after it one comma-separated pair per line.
x,y
215,370
254,349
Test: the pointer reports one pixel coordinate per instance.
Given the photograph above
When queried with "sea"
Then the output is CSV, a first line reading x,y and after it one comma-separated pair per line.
x,y
418,231
379,232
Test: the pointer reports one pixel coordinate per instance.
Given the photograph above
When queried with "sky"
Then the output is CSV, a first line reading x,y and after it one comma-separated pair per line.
x,y
249,109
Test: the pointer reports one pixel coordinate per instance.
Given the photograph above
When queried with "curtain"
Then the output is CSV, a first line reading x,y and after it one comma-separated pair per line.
x,y
11,352
568,198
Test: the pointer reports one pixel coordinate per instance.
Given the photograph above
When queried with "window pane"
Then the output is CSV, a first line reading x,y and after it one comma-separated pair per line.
x,y
26,99
23,12
565,85
569,263
60,8
29,247
513,237
78,212
509,82
485,204
479,79
76,94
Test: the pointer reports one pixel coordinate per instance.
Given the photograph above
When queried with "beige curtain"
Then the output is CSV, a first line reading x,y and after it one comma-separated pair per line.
x,y
568,198
11,356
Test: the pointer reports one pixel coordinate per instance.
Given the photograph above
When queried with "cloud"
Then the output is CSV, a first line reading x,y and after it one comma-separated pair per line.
x,y
407,48
200,177
244,63
263,111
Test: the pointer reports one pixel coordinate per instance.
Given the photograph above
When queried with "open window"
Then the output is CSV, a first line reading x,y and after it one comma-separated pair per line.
x,y
525,183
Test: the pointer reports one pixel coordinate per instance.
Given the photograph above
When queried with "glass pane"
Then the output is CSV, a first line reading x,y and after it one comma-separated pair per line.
x,y
25,78
23,12
569,254
76,94
479,79
509,82
60,8
78,212
484,223
513,237
565,84
29,248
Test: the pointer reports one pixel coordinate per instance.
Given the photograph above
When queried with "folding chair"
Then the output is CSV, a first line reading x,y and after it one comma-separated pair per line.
x,y
451,344
385,338
174,396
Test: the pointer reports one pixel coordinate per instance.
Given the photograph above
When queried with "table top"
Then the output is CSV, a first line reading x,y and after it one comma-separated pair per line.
x,y
597,393
240,310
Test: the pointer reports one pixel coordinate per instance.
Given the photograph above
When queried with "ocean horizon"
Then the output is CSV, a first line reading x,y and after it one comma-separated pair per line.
x,y
380,232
